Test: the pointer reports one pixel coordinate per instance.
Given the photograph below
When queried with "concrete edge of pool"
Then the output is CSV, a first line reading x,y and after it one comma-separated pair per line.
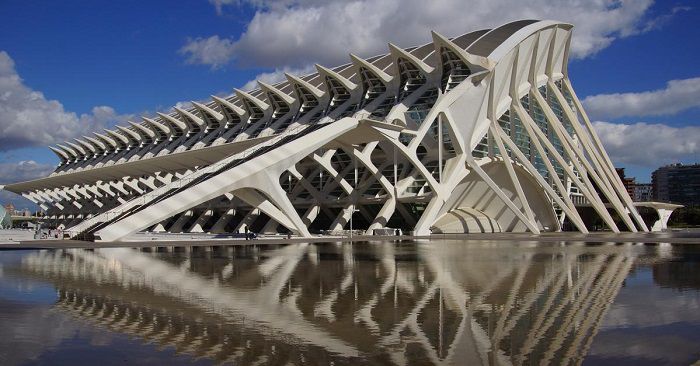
x,y
682,237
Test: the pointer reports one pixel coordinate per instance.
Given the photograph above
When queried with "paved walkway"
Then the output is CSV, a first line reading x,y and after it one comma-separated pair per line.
x,y
195,240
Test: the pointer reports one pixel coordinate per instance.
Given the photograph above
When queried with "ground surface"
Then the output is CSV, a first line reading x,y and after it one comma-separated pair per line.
x,y
24,239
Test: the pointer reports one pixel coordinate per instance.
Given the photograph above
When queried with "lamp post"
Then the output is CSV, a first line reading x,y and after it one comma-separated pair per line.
x,y
353,197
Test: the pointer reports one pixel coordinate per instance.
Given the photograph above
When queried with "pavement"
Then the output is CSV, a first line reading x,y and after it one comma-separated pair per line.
x,y
24,241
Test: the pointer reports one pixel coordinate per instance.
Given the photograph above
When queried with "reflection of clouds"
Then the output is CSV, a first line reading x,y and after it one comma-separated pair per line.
x,y
33,329
654,345
650,324
651,306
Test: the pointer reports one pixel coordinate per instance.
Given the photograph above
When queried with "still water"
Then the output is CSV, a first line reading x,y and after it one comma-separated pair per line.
x,y
404,303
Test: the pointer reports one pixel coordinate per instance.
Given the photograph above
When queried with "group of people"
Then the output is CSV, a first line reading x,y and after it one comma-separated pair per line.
x,y
48,234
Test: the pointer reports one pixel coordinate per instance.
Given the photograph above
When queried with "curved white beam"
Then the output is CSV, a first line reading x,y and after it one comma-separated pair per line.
x,y
160,126
143,130
96,143
473,61
398,52
176,123
349,85
107,140
208,111
60,154
187,115
118,136
247,98
360,62
79,150
86,145
236,109
282,95
135,137
316,92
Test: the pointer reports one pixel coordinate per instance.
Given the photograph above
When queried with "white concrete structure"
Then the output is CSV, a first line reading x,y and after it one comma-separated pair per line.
x,y
411,139
5,219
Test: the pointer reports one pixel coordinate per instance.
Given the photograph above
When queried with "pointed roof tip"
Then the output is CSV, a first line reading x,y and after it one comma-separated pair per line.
x,y
236,109
199,105
396,51
265,86
439,36
59,152
242,93
364,63
321,67
318,93
349,85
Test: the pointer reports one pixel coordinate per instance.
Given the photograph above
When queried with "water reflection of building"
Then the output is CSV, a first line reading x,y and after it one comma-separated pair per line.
x,y
307,304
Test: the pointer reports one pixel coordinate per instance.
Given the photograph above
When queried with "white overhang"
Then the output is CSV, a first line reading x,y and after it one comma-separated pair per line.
x,y
166,163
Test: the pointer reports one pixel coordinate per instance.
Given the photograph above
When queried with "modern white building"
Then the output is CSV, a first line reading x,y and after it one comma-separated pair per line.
x,y
482,132
5,219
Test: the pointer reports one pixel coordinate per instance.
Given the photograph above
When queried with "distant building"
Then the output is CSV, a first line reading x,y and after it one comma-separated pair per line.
x,y
643,192
628,182
677,183
10,209
5,219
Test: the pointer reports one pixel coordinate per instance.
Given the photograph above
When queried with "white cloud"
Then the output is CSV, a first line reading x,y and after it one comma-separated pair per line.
x,y
213,51
20,172
648,145
23,171
276,76
295,33
678,95
27,118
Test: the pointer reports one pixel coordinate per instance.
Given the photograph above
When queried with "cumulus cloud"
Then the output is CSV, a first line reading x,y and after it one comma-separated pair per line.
x,y
20,172
678,95
213,51
295,33
648,145
27,118
23,171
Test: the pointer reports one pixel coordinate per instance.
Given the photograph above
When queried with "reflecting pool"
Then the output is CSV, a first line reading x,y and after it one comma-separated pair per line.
x,y
407,303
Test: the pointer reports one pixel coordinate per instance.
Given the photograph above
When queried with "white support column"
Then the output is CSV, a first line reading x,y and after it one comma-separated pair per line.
x,y
178,225
342,219
511,173
198,226
220,224
586,188
566,205
662,223
596,148
603,184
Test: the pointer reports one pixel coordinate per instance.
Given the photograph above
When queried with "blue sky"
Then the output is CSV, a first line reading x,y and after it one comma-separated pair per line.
x,y
81,65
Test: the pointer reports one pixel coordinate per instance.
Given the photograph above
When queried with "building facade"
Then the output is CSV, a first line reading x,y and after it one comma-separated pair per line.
x,y
677,183
628,182
643,192
482,132
5,219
